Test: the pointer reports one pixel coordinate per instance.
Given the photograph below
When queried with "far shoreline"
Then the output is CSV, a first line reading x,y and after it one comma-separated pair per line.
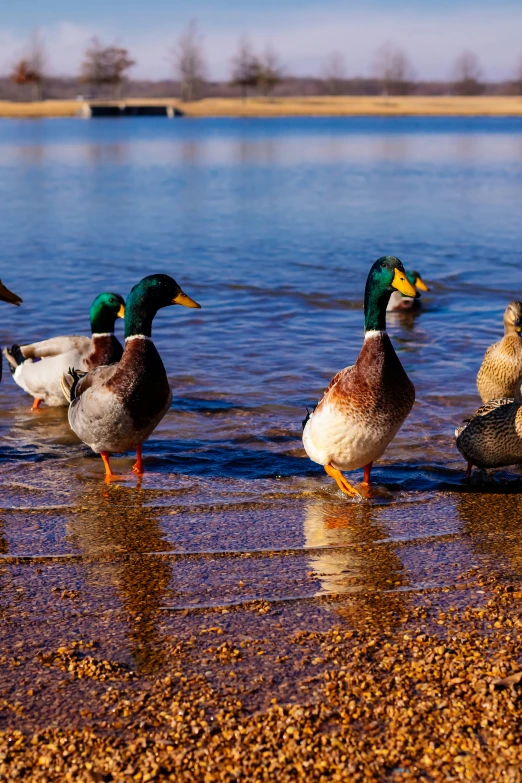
x,y
318,106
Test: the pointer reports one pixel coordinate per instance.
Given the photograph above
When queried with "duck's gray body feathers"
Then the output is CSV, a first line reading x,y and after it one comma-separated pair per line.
x,y
116,408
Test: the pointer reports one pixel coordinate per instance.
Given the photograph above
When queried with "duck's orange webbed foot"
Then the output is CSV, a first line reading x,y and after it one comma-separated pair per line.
x,y
109,475
36,404
343,484
138,465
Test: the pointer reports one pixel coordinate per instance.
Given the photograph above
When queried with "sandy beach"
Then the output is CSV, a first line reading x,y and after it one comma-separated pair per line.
x,y
322,106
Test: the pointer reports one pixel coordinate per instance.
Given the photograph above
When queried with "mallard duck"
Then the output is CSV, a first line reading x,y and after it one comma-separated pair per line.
x,y
365,405
492,437
501,367
42,379
400,302
115,409
7,296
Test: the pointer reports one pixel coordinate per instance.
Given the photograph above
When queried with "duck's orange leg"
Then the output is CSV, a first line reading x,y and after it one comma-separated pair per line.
x,y
138,465
469,469
367,472
343,484
106,461
36,404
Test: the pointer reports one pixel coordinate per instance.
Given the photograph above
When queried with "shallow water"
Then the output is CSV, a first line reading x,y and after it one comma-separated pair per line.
x,y
272,226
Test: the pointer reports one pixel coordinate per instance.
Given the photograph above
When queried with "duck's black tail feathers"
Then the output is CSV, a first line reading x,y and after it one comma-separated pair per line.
x,y
308,414
69,383
14,356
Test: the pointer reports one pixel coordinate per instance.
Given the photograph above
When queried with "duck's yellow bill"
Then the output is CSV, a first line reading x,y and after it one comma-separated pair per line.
x,y
121,312
402,284
186,301
421,285
7,296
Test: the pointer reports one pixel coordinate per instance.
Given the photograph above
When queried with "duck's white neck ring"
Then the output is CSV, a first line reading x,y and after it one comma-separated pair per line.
x,y
373,333
138,337
102,334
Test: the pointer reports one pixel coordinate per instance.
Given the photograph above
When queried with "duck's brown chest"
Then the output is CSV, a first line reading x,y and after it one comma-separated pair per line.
x,y
141,382
378,384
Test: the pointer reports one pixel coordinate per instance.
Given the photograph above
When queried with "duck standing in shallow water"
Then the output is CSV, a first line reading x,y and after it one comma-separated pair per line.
x,y
501,367
365,405
42,378
115,409
492,438
399,302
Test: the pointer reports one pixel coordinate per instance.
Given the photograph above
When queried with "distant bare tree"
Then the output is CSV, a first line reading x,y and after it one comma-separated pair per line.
x,y
30,70
270,72
467,75
189,63
394,70
106,66
245,68
334,74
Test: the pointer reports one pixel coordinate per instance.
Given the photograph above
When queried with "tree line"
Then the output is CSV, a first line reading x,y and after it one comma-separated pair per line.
x,y
105,68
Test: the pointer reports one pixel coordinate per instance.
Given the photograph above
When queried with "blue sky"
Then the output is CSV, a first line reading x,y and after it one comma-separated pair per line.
x,y
303,32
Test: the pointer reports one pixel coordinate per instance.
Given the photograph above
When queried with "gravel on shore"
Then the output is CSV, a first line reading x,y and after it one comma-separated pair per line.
x,y
433,695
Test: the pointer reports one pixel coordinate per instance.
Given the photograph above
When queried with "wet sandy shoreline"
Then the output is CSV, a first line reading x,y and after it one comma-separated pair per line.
x,y
317,690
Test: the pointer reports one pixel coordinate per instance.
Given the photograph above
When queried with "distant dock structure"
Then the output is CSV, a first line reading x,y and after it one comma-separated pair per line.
x,y
92,109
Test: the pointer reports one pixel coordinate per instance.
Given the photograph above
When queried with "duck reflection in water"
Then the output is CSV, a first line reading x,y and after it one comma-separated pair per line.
x,y
353,565
119,532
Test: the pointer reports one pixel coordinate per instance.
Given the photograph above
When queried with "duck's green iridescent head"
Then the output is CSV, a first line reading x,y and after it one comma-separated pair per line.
x,y
386,276
104,311
147,297
415,279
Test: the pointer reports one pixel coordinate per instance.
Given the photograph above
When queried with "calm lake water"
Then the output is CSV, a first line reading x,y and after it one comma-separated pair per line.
x,y
272,226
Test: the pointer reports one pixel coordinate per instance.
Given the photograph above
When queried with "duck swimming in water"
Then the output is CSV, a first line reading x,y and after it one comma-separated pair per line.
x,y
42,378
365,405
116,408
399,302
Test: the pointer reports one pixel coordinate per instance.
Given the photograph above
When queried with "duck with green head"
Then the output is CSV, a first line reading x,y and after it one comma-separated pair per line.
x,y
38,368
116,409
400,302
365,405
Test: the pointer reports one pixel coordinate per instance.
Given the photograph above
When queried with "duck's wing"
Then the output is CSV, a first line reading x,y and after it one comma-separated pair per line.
x,y
41,379
338,380
56,346
76,383
488,406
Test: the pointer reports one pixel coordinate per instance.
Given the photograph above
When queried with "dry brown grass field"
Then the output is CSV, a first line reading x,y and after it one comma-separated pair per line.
x,y
325,106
